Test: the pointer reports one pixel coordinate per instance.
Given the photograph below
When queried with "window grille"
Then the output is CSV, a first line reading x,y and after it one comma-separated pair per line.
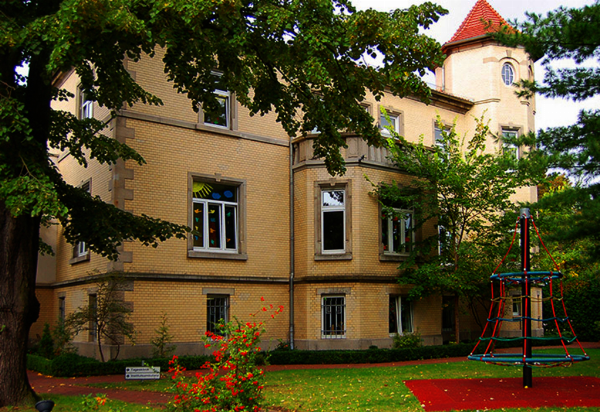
x,y
334,317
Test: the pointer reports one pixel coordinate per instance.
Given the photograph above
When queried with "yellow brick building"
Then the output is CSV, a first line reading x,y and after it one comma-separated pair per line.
x,y
271,221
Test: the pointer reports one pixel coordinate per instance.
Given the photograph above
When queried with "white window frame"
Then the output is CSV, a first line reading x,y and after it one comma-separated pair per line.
x,y
394,122
508,74
86,107
222,206
81,249
226,96
328,333
389,221
512,147
437,134
329,209
399,325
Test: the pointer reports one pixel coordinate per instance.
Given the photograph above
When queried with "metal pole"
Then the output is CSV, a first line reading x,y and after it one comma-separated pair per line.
x,y
525,297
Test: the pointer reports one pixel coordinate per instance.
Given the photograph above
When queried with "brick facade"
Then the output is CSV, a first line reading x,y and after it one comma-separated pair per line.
x,y
257,159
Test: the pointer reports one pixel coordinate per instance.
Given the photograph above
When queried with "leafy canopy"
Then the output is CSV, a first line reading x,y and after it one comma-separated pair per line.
x,y
569,34
302,59
462,188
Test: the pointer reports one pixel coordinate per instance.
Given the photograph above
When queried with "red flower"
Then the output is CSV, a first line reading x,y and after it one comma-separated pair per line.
x,y
262,299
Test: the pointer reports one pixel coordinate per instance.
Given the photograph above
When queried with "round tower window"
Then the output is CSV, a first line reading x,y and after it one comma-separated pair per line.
x,y
508,74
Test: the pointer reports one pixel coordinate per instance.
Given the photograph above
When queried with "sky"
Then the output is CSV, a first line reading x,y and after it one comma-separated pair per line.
x,y
550,112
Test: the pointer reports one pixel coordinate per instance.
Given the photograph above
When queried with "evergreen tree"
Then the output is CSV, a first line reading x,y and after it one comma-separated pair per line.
x,y
569,33
301,59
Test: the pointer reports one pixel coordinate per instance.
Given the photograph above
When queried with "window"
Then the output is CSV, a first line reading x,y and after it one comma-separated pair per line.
x,y
438,137
444,239
333,218
401,316
86,106
61,308
508,74
93,326
511,147
81,252
384,125
215,217
333,309
448,319
397,231
516,306
217,310
220,117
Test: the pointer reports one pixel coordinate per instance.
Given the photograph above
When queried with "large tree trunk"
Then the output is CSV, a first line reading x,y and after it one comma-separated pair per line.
x,y
19,308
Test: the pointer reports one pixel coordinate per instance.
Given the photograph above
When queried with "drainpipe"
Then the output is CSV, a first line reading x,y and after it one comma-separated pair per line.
x,y
292,236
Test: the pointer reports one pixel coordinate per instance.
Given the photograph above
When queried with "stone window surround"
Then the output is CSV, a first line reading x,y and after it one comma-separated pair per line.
x,y
319,186
242,213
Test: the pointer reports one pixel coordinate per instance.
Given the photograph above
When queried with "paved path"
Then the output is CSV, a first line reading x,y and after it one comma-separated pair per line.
x,y
74,386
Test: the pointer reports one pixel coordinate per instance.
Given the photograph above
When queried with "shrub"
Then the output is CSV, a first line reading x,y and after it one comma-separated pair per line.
x,y
407,340
46,344
162,347
234,382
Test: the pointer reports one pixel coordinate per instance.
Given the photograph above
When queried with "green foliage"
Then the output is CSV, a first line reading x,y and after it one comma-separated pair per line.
x,y
407,340
465,190
63,338
109,317
234,382
72,364
46,345
569,34
161,343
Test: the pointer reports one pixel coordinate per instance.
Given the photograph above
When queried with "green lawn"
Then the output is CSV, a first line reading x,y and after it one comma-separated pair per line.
x,y
363,389
381,389
75,404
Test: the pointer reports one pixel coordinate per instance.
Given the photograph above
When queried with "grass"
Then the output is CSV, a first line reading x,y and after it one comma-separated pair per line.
x,y
375,389
76,404
381,389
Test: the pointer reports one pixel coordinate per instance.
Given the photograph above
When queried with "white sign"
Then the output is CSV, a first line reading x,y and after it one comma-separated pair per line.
x,y
142,372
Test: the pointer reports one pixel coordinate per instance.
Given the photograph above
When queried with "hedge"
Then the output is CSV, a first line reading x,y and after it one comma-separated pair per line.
x,y
74,365
71,364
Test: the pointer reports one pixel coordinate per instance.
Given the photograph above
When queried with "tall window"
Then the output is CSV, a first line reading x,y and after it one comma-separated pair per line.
x,y
86,106
397,231
217,310
508,74
438,138
93,308
448,319
61,308
220,117
81,249
401,315
508,147
333,309
384,125
333,221
215,217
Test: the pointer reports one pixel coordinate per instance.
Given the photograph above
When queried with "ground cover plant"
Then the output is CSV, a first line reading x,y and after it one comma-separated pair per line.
x,y
379,388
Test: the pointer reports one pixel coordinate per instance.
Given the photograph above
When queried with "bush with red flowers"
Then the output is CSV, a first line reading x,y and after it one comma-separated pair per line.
x,y
233,381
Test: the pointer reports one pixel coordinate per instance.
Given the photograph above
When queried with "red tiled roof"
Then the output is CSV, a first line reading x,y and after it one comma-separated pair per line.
x,y
475,24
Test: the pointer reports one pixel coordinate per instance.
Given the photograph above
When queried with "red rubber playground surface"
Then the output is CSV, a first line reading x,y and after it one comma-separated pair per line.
x,y
459,394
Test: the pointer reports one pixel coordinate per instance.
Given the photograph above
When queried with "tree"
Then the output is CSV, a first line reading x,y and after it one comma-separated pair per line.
x,y
465,191
569,33
301,59
106,316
